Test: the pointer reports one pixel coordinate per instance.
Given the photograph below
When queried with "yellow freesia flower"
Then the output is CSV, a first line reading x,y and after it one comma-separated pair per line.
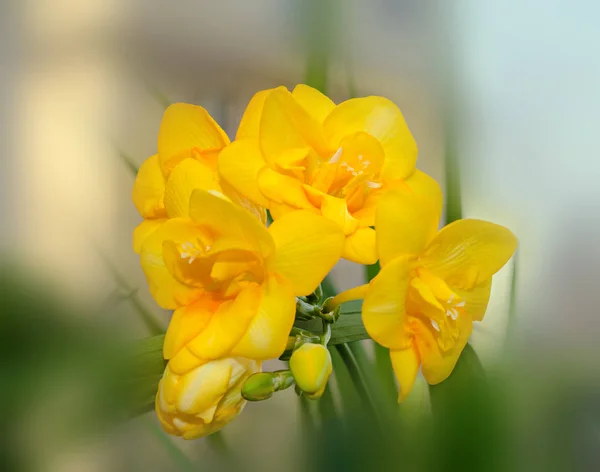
x,y
231,280
299,150
311,367
431,287
204,399
186,132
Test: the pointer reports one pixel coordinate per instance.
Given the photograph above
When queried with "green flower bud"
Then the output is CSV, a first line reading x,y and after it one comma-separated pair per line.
x,y
311,367
259,386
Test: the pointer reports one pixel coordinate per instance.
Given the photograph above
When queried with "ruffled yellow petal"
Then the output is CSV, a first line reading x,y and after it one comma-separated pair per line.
x,y
437,364
405,224
405,363
267,334
186,177
227,325
468,252
314,102
361,246
285,124
381,119
426,186
384,307
250,123
476,299
307,247
225,218
239,165
336,210
166,290
186,130
279,188
149,189
143,230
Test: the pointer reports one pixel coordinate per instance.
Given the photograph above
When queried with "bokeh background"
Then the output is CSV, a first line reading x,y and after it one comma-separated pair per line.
x,y
502,98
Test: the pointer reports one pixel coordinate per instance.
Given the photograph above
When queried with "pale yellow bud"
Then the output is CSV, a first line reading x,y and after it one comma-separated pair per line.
x,y
311,367
204,399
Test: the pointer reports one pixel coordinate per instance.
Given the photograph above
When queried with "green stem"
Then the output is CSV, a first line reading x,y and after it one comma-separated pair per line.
x,y
219,445
176,454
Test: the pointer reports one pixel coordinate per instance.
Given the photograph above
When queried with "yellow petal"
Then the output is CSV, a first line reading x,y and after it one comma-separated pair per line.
x,y
184,131
149,189
255,209
280,188
468,252
166,290
426,186
239,164
476,299
250,123
384,307
227,325
285,124
314,102
186,323
307,247
381,119
186,177
225,218
267,334
336,210
437,364
405,363
142,231
361,246
405,223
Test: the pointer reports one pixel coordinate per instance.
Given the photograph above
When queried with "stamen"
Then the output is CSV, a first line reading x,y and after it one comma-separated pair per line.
x,y
336,156
435,325
371,184
360,158
460,304
452,313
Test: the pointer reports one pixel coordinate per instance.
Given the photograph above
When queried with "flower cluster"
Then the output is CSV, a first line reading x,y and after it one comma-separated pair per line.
x,y
339,182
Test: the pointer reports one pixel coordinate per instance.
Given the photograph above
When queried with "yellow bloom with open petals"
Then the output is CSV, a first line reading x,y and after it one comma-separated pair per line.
x,y
187,133
299,150
204,399
431,287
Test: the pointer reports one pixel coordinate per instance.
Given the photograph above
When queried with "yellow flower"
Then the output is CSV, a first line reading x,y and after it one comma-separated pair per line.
x,y
431,287
203,399
299,150
187,132
311,367
231,280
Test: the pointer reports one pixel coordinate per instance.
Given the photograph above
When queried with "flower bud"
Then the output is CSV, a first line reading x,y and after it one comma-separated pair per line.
x,y
311,366
204,399
259,386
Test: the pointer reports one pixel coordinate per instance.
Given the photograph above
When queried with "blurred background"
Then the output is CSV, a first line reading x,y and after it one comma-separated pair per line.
x,y
502,98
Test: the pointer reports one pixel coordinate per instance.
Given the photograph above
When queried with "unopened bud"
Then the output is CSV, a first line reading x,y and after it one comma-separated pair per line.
x,y
258,387
311,366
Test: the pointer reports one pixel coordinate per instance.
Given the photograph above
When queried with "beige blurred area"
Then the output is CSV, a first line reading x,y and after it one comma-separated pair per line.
x,y
80,81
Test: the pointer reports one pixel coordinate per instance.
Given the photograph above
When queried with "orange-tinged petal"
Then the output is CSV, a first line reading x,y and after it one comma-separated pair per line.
x,y
405,223
186,177
166,290
307,247
383,120
384,307
267,334
225,218
281,188
405,363
184,131
143,230
314,102
476,299
468,252
285,124
149,189
186,323
426,186
437,364
336,210
361,246
227,325
239,164
250,123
